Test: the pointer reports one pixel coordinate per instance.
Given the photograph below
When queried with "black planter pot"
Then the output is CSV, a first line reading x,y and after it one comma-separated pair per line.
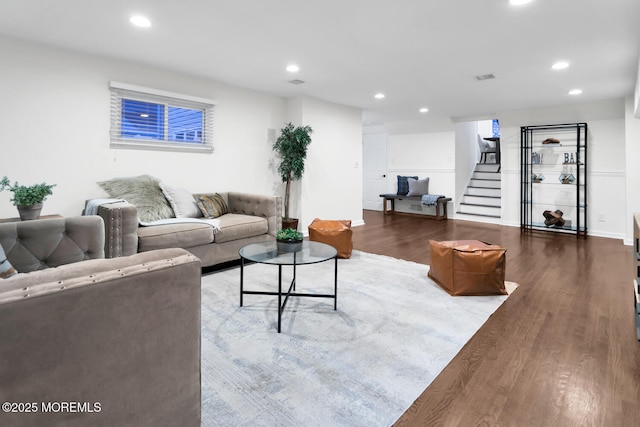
x,y
289,245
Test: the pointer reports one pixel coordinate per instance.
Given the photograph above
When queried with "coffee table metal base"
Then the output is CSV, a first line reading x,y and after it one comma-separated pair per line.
x,y
292,287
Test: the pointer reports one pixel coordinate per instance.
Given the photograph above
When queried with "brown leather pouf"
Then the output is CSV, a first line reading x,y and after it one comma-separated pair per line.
x,y
336,233
468,267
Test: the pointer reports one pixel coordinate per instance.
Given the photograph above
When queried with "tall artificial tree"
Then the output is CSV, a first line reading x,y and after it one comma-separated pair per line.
x,y
292,145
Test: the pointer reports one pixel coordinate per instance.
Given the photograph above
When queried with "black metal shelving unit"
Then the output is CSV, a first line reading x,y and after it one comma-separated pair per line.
x,y
553,177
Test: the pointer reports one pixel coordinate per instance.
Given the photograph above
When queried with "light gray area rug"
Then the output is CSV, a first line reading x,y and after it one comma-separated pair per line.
x,y
362,365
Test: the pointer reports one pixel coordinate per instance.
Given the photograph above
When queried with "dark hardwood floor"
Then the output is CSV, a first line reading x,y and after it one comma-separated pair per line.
x,y
561,351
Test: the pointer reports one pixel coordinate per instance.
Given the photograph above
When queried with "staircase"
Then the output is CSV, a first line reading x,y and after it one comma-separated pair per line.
x,y
482,196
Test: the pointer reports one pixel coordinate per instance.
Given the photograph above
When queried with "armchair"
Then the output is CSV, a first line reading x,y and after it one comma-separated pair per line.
x,y
114,341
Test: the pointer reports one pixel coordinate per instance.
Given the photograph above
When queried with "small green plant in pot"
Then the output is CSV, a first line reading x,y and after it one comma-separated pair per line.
x,y
27,198
289,240
289,235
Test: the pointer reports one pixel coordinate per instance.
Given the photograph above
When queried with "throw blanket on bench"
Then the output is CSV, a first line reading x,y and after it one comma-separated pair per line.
x,y
430,199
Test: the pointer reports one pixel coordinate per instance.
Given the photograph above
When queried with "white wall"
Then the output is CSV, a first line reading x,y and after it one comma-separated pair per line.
x,y
606,160
636,100
430,155
332,183
467,155
55,112
55,108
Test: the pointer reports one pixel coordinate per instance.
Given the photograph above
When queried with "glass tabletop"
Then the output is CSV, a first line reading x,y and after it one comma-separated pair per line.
x,y
267,253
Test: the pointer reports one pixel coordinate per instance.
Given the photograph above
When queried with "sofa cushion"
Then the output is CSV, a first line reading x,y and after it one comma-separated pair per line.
x,y
237,226
181,201
142,191
178,235
211,205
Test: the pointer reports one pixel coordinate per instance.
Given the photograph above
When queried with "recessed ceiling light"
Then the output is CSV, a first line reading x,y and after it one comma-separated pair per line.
x,y
575,92
518,2
379,96
140,21
293,68
560,65
424,110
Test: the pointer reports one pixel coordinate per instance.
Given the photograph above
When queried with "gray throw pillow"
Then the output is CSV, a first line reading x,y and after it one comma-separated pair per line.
x,y
6,269
144,193
181,201
418,187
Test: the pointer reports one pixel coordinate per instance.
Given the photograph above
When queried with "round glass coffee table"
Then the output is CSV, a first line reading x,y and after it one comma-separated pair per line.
x,y
267,253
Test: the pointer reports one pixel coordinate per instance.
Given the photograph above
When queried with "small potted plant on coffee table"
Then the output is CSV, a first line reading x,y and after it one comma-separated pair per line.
x,y
27,198
289,240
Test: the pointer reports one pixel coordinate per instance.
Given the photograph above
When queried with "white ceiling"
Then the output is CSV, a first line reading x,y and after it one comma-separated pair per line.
x,y
418,52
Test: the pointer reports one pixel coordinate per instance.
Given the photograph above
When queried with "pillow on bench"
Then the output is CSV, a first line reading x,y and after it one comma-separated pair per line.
x,y
418,187
403,185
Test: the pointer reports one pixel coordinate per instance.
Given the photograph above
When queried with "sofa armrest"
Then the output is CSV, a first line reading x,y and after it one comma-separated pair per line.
x,y
269,207
121,229
123,333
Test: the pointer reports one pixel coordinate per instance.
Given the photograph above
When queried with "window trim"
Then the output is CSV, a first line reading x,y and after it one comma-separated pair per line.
x,y
119,91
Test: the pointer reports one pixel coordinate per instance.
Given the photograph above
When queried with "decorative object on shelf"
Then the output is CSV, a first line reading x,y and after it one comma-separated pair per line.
x,y
27,198
553,218
536,158
551,141
572,159
569,158
565,178
537,178
291,145
289,240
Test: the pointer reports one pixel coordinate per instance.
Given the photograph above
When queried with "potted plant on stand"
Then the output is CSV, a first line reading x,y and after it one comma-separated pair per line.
x,y
291,145
27,198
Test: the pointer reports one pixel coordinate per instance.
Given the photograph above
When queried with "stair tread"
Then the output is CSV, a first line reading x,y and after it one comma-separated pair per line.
x,y
478,214
478,204
482,195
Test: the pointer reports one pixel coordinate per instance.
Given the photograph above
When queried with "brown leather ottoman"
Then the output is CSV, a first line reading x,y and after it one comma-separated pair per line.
x,y
336,233
468,267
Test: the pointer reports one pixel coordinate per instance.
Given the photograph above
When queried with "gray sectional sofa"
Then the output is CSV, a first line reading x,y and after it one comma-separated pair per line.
x,y
88,341
250,218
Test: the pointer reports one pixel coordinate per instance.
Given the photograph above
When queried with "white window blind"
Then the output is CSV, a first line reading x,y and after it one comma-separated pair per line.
x,y
151,118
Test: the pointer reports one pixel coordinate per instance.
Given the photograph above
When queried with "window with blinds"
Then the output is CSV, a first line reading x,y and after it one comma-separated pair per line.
x,y
150,118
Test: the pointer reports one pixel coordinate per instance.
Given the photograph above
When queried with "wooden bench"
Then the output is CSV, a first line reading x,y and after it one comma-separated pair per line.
x,y
441,205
